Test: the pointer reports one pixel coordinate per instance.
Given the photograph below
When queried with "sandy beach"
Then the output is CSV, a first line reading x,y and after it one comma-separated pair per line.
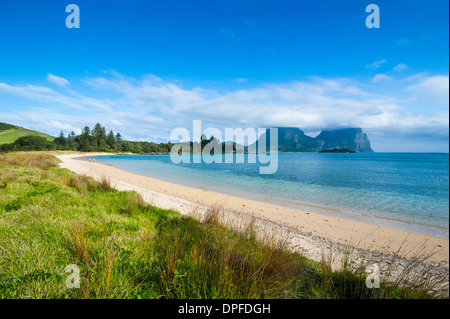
x,y
314,235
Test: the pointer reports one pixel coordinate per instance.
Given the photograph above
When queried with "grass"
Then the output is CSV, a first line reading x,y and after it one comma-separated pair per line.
x,y
11,135
51,218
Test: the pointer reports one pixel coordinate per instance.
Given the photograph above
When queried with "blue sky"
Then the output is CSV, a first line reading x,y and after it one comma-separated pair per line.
x,y
143,68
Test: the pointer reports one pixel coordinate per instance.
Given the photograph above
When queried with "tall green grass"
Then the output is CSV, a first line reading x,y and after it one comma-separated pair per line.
x,y
125,248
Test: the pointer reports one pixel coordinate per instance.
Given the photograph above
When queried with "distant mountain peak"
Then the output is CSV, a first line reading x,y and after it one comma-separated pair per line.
x,y
293,139
350,138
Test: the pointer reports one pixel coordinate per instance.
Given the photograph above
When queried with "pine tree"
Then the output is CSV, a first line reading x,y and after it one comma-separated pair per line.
x,y
111,140
72,135
60,140
86,131
97,131
85,140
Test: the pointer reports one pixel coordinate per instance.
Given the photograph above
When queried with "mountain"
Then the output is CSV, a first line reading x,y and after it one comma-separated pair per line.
x,y
10,133
350,138
292,139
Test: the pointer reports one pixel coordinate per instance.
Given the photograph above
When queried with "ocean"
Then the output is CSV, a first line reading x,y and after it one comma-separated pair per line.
x,y
409,191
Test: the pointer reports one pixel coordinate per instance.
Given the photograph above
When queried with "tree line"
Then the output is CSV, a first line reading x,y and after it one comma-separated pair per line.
x,y
90,140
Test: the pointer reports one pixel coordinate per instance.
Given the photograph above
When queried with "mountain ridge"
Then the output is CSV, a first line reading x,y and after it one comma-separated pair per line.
x,y
293,139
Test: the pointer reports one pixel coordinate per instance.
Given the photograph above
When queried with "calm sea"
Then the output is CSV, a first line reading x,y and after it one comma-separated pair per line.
x,y
409,191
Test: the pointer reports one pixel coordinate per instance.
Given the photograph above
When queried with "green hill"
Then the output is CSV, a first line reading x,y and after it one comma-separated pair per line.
x,y
10,133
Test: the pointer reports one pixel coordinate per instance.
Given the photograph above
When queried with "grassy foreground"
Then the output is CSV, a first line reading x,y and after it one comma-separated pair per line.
x,y
51,218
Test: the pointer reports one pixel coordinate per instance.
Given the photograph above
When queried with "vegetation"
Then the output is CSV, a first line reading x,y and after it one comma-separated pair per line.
x,y
95,140
211,145
6,126
125,248
10,133
92,140
29,143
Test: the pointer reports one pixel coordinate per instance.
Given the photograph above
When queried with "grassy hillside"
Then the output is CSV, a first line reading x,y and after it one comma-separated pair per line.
x,y
10,133
51,218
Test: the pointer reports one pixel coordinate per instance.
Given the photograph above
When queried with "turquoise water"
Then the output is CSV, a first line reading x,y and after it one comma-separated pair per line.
x,y
404,190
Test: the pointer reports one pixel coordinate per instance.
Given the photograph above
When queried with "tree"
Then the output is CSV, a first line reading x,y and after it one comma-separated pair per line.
x,y
85,140
72,135
98,131
99,137
102,146
205,141
85,145
60,141
33,143
92,140
71,141
111,140
86,131
124,146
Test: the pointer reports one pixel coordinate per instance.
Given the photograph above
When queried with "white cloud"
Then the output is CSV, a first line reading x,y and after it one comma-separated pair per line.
x,y
44,94
311,105
381,77
57,80
64,126
375,65
400,67
435,89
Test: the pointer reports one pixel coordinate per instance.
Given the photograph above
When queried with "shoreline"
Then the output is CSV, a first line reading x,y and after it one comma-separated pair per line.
x,y
339,211
315,235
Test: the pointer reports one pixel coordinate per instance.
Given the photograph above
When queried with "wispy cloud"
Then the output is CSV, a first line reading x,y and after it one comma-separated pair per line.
x,y
400,67
376,64
381,77
58,100
57,80
240,80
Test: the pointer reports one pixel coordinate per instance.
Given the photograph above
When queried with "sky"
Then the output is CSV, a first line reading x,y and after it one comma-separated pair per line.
x,y
144,68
